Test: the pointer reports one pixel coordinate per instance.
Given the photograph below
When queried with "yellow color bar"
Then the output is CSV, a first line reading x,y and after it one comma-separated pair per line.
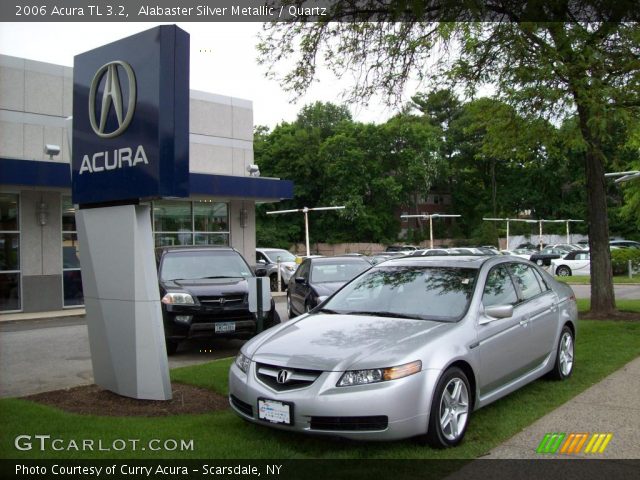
x,y
606,442
591,442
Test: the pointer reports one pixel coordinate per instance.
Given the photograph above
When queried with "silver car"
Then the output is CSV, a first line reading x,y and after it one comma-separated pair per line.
x,y
410,347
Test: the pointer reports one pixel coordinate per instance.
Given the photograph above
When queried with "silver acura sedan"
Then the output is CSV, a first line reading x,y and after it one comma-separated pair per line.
x,y
410,347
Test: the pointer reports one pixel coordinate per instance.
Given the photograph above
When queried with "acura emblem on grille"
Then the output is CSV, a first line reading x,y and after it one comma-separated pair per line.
x,y
284,376
222,300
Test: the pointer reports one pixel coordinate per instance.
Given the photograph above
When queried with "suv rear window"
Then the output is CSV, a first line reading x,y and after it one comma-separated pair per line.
x,y
198,264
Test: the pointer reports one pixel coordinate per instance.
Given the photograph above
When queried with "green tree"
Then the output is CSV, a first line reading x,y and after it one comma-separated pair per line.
x,y
554,58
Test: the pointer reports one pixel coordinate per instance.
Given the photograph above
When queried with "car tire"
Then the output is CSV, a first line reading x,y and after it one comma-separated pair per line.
x,y
563,367
563,271
539,262
289,308
172,347
273,320
450,409
273,283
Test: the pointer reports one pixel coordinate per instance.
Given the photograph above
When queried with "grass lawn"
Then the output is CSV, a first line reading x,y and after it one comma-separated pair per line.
x,y
601,348
625,305
586,279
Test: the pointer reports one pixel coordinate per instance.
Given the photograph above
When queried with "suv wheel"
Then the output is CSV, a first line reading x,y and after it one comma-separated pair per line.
x,y
273,283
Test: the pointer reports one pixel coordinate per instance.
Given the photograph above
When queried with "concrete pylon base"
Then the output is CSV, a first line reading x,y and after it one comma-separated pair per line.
x,y
120,284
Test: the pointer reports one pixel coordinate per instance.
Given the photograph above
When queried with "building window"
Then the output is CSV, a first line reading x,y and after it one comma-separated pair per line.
x,y
201,222
71,274
9,252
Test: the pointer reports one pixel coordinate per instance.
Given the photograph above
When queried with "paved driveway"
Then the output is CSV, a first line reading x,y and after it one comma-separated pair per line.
x,y
621,291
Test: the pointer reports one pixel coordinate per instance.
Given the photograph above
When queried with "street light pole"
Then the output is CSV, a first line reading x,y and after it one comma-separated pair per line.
x,y
623,176
306,211
430,217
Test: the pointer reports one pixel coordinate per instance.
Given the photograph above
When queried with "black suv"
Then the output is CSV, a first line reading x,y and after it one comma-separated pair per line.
x,y
204,292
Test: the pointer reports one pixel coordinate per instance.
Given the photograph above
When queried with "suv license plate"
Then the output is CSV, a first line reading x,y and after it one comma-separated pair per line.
x,y
274,411
224,327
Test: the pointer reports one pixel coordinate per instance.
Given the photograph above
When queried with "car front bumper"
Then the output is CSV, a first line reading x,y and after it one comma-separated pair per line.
x,y
318,408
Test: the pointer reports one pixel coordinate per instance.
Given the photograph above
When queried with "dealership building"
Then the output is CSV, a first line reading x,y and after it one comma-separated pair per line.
x,y
39,267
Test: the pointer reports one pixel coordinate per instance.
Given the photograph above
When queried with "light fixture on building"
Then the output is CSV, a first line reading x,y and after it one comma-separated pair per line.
x,y
42,213
244,217
51,150
253,170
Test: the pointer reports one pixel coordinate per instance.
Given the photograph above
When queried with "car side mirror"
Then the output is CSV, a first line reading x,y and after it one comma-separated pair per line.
x,y
261,272
495,312
262,261
300,280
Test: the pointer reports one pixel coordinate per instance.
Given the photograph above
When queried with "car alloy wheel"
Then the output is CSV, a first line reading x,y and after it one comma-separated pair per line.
x,y
539,262
565,356
273,283
450,410
563,271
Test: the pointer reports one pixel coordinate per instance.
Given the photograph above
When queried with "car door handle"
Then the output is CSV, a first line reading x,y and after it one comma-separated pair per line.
x,y
524,321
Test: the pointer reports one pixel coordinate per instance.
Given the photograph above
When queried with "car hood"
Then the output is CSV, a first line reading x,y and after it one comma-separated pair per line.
x,y
209,286
340,342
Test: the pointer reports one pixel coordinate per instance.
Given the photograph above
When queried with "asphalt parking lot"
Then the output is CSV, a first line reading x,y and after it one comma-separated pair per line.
x,y
51,354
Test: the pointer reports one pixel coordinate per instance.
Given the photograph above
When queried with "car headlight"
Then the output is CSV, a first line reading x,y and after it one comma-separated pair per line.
x,y
375,375
177,298
290,268
243,362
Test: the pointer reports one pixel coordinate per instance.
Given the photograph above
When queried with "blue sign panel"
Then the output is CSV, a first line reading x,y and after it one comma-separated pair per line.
x,y
131,119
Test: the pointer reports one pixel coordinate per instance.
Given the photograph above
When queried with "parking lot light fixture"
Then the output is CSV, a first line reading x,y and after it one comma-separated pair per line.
x,y
306,211
623,176
430,217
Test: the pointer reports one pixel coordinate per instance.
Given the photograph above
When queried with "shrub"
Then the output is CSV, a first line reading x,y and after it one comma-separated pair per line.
x,y
620,260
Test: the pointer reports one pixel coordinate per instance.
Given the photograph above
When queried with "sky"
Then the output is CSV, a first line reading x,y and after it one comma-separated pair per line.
x,y
223,61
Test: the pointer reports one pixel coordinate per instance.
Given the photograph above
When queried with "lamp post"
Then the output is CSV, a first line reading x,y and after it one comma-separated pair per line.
x,y
306,211
430,217
623,176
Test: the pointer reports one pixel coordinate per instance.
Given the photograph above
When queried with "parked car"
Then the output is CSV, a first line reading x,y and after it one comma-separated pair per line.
x,y
401,248
624,243
564,246
545,256
268,258
520,252
528,246
573,263
411,347
204,293
428,252
317,278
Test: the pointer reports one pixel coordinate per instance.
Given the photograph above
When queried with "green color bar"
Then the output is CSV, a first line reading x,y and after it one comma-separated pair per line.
x,y
543,444
551,442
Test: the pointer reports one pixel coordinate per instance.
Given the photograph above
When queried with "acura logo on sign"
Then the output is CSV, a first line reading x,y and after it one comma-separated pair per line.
x,y
284,376
112,96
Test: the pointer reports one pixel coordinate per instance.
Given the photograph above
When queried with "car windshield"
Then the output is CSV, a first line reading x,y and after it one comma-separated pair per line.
x,y
337,271
283,254
427,293
198,264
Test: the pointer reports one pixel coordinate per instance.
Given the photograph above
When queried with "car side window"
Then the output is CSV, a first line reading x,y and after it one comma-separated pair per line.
x,y
542,281
499,289
526,280
303,271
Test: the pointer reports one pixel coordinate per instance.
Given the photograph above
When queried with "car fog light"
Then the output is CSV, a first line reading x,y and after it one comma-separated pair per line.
x,y
183,318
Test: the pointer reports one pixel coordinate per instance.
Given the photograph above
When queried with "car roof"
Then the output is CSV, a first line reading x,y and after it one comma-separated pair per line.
x,y
339,258
461,261
191,248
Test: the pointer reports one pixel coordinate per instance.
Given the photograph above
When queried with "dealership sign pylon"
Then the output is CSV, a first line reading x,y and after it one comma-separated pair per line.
x,y
130,144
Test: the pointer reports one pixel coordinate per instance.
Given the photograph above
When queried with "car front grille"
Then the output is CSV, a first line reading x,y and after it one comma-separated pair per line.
x,y
242,406
295,377
221,300
357,424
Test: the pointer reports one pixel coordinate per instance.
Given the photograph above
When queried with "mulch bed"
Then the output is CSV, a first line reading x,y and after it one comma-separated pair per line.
x,y
93,400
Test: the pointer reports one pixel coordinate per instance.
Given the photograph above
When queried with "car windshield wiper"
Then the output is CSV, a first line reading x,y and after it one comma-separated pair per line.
x,y
385,314
328,310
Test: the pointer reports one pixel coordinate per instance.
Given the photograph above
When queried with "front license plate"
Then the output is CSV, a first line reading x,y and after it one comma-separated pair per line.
x,y
274,411
225,327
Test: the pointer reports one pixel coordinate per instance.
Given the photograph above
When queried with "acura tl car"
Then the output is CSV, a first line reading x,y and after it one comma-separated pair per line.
x,y
409,348
204,293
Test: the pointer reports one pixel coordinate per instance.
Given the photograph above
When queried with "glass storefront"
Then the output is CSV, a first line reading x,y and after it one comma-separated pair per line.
x,y
71,274
9,252
201,222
